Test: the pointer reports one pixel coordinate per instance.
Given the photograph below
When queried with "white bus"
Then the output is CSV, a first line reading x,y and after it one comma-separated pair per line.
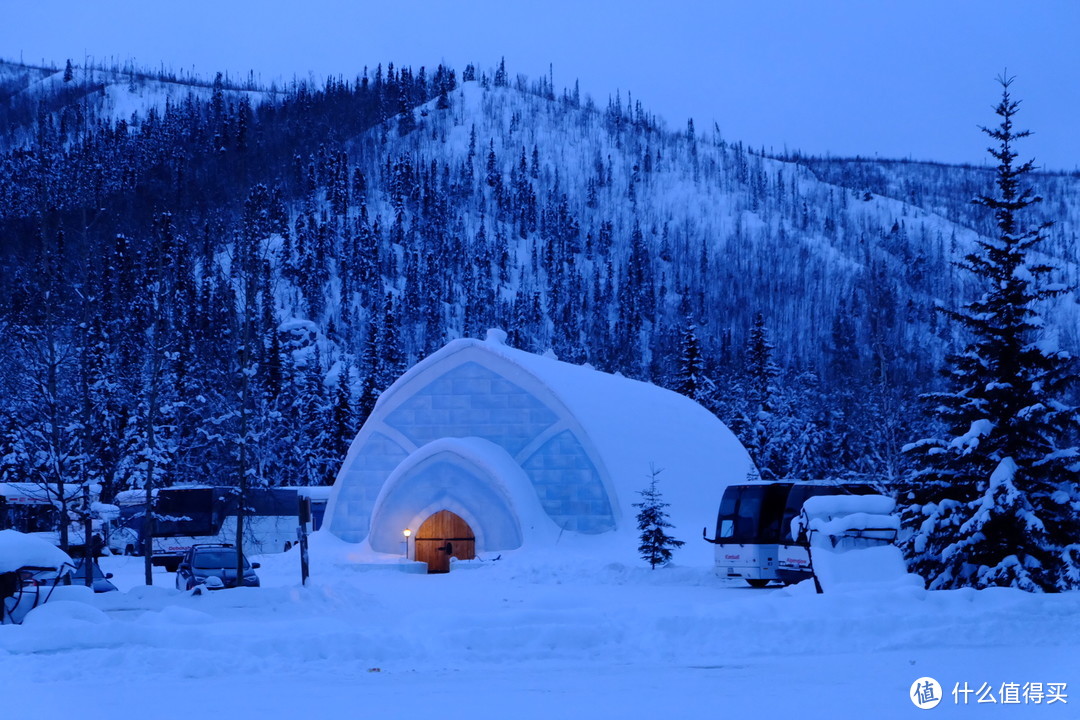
x,y
753,529
188,515
748,531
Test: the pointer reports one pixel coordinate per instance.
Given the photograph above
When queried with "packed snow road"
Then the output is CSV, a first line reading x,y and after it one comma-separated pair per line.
x,y
528,637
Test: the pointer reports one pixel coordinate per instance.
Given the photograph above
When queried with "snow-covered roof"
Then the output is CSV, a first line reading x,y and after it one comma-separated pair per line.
x,y
636,426
21,550
27,492
625,426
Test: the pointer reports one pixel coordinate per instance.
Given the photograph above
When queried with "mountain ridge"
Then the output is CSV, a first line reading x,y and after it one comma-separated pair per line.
x,y
357,226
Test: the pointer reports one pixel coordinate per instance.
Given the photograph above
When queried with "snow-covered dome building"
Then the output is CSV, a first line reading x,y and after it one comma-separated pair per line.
x,y
494,449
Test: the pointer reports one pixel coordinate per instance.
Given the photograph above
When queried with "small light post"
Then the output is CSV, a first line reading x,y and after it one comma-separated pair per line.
x,y
407,533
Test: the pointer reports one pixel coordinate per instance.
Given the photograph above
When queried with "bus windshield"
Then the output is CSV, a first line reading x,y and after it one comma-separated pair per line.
x,y
725,521
751,513
772,512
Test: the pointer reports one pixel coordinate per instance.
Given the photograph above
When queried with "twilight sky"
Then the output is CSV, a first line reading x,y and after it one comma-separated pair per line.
x,y
910,78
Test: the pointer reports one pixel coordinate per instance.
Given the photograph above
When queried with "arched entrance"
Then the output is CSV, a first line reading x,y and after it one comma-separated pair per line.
x,y
472,478
442,536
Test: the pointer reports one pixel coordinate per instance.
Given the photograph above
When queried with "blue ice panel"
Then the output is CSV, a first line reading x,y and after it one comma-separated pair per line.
x,y
472,401
569,486
361,485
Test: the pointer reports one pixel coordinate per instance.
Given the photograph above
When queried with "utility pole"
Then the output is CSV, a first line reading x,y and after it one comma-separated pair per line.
x,y
88,545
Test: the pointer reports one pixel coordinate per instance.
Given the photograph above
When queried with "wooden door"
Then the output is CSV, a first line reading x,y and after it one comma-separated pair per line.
x,y
442,536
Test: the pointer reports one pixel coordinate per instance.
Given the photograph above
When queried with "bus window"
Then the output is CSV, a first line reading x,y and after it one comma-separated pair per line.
x,y
318,511
226,500
725,519
268,502
184,511
749,514
793,507
283,503
772,513
258,502
32,518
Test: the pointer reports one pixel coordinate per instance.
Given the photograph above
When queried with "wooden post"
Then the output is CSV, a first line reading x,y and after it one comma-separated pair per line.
x,y
810,559
302,532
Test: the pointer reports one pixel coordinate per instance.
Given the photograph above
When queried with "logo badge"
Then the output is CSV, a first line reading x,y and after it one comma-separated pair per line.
x,y
925,693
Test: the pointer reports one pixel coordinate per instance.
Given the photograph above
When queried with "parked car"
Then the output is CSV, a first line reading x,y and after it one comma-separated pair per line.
x,y
99,580
213,565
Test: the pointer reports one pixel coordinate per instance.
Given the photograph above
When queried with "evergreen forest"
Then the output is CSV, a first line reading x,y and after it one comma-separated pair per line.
x,y
204,279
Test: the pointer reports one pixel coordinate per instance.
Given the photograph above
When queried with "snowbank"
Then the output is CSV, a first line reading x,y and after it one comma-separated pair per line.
x,y
533,635
862,569
60,615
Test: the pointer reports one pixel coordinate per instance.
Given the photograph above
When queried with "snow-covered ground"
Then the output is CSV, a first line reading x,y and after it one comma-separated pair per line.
x,y
527,636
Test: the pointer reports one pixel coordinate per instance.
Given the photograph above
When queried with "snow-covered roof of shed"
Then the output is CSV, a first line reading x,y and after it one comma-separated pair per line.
x,y
19,550
634,426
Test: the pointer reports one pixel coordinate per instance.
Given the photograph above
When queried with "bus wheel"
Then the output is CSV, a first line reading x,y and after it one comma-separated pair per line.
x,y
288,546
757,583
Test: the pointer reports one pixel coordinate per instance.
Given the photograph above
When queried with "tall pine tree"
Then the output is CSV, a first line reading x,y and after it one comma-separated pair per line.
x,y
690,377
994,500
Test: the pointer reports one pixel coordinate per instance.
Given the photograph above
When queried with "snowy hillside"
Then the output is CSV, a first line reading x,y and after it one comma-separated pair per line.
x,y
358,225
948,191
112,94
706,209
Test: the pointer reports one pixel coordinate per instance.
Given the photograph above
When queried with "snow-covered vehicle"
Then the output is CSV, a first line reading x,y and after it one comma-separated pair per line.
x,y
843,523
30,568
753,529
830,527
793,562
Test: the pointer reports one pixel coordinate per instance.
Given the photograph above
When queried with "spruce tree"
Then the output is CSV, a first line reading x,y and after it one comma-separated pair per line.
x,y
342,421
759,369
752,417
656,545
690,378
994,499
